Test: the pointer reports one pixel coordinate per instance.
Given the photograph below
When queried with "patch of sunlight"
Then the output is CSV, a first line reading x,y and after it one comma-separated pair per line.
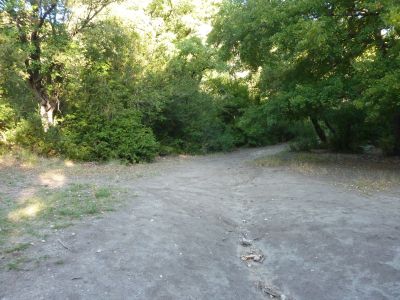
x,y
7,161
27,165
242,74
302,55
27,159
273,49
26,194
31,210
69,163
53,179
368,55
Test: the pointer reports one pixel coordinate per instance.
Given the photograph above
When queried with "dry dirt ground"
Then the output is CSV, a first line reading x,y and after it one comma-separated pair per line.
x,y
179,235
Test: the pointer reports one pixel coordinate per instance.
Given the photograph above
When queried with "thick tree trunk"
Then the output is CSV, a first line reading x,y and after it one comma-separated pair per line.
x,y
320,132
47,115
47,106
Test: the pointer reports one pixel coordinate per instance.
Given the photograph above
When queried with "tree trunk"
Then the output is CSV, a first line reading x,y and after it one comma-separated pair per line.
x,y
320,132
331,129
47,115
47,106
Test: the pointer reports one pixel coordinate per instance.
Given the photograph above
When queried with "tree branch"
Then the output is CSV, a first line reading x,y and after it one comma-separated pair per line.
x,y
90,16
46,14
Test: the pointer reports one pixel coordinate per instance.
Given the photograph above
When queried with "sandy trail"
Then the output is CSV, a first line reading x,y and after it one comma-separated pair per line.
x,y
178,238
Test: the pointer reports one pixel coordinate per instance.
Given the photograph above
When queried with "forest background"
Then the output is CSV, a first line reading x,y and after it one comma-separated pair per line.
x,y
129,80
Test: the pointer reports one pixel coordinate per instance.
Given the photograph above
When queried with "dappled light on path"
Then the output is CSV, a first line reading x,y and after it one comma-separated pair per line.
x,y
31,210
69,163
52,179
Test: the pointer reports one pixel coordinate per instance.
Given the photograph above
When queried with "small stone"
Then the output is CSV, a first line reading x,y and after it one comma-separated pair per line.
x,y
98,251
257,257
245,242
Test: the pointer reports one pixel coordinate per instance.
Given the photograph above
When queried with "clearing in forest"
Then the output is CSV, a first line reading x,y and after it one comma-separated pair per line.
x,y
250,224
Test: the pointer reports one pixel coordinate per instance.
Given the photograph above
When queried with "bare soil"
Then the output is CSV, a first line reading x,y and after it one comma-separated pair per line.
x,y
208,227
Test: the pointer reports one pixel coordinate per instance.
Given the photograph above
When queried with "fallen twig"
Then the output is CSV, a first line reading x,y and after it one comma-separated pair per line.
x,y
62,244
272,292
254,257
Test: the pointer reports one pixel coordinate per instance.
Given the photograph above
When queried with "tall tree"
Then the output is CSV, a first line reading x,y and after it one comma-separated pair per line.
x,y
305,52
43,29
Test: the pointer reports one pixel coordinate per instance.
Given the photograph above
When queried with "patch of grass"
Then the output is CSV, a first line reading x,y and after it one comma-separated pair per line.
x,y
17,248
27,157
102,193
40,195
78,200
364,173
62,225
6,227
38,260
16,264
34,215
59,262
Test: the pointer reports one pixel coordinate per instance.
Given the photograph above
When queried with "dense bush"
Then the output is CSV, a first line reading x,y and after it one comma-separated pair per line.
x,y
91,137
304,137
29,134
260,127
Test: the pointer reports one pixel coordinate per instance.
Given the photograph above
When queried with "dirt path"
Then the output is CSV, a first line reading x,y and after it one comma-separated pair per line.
x,y
179,239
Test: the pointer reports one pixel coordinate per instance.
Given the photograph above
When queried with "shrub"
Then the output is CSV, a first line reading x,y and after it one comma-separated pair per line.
x,y
350,129
29,134
388,144
259,127
304,137
96,137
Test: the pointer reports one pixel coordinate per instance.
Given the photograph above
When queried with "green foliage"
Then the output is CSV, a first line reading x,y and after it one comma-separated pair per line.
x,y
29,134
7,116
318,73
304,137
189,120
260,127
334,63
388,144
88,137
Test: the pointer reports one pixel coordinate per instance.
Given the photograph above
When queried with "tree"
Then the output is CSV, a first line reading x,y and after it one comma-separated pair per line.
x,y
306,52
43,29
